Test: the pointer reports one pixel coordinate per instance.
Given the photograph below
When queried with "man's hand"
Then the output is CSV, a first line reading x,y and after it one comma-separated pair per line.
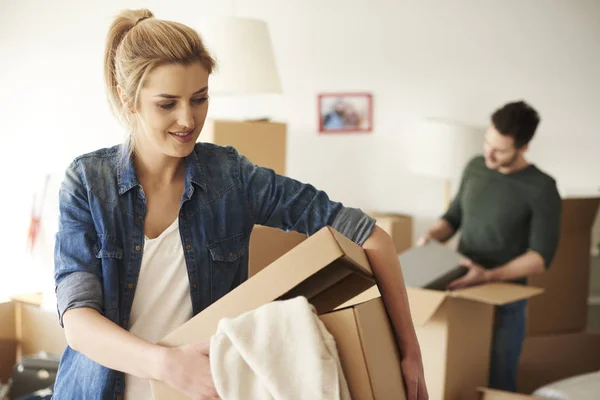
x,y
423,240
414,378
476,275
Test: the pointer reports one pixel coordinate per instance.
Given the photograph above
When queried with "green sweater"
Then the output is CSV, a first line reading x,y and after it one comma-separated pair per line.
x,y
501,216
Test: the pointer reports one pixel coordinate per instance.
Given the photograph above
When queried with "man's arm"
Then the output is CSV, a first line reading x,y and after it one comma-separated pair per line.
x,y
441,231
529,264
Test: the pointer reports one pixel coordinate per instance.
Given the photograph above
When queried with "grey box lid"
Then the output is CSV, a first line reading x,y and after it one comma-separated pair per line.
x,y
431,266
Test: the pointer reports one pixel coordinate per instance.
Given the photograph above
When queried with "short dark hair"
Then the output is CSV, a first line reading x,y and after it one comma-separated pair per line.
x,y
518,120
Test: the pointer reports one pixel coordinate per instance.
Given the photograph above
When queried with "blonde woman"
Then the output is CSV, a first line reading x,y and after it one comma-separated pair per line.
x,y
155,230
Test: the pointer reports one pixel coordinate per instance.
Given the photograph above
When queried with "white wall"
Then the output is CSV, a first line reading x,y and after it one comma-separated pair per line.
x,y
458,59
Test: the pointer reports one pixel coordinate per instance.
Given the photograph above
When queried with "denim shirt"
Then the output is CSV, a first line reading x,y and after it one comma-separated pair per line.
x,y
99,245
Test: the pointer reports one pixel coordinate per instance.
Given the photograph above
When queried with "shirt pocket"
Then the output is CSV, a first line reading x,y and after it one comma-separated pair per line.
x,y
229,263
110,252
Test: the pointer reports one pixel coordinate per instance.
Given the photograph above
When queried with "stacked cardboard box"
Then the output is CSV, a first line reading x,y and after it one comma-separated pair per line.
x,y
329,270
558,345
264,143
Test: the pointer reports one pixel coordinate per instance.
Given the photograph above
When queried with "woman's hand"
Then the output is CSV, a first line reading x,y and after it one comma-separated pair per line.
x,y
187,369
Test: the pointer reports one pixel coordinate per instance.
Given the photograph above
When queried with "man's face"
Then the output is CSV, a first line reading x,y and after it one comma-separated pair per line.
x,y
499,150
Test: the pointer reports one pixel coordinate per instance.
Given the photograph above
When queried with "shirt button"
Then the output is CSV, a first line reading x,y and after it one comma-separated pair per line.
x,y
181,214
130,286
119,398
137,248
230,254
140,218
194,285
188,247
125,322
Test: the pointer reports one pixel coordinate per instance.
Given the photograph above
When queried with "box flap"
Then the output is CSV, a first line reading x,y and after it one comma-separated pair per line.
x,y
492,394
424,303
327,268
497,293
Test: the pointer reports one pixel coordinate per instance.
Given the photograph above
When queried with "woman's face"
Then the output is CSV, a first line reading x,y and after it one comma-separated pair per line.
x,y
171,110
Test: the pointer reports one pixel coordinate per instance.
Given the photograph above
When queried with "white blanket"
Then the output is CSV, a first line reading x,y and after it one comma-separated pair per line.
x,y
279,351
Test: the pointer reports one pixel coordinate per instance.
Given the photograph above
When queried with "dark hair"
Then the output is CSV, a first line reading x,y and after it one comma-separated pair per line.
x,y
518,120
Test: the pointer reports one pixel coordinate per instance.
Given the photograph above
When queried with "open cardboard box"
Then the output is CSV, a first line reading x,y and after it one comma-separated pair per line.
x,y
327,268
454,330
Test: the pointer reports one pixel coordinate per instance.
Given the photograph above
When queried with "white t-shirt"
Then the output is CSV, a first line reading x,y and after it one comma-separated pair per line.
x,y
162,299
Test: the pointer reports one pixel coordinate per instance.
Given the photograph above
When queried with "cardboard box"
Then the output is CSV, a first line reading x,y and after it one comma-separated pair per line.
x,y
563,306
368,350
491,394
398,226
454,330
8,340
547,359
264,143
268,244
327,268
27,329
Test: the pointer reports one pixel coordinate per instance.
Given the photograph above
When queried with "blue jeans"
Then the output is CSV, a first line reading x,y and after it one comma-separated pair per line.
x,y
508,336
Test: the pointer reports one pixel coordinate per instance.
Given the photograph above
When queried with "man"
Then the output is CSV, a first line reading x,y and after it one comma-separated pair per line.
x,y
508,212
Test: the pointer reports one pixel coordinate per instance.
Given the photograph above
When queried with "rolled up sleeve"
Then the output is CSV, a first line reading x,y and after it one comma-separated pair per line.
x,y
77,270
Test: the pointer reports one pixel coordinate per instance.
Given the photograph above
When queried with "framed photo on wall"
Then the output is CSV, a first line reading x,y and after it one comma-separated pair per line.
x,y
345,112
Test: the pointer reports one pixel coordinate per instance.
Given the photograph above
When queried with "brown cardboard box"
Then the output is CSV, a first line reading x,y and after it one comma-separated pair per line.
x,y
546,359
454,330
491,394
264,143
368,351
398,226
8,340
268,244
563,306
327,268
27,329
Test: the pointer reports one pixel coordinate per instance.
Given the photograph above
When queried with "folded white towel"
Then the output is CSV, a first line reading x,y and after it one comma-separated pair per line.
x,y
279,351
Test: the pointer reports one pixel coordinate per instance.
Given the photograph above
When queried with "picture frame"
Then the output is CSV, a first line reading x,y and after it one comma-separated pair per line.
x,y
349,112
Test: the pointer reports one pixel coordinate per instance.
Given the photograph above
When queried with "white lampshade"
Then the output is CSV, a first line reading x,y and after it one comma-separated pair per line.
x,y
440,148
244,54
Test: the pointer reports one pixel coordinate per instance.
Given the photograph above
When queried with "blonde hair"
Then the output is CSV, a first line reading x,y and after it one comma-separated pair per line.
x,y
136,44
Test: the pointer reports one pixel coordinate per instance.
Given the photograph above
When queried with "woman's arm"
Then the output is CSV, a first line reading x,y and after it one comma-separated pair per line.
x,y
383,259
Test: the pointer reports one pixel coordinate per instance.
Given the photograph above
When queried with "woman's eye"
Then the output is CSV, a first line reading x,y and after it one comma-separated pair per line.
x,y
199,101
167,106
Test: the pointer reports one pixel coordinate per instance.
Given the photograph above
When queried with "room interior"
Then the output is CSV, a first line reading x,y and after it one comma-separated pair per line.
x,y
423,78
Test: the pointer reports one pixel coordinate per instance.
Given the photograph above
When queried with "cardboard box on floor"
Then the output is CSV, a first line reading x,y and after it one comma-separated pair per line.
x,y
547,359
454,330
264,143
564,305
327,268
27,329
398,226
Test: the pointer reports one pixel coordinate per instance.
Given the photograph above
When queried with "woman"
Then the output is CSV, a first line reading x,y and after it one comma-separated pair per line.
x,y
154,231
